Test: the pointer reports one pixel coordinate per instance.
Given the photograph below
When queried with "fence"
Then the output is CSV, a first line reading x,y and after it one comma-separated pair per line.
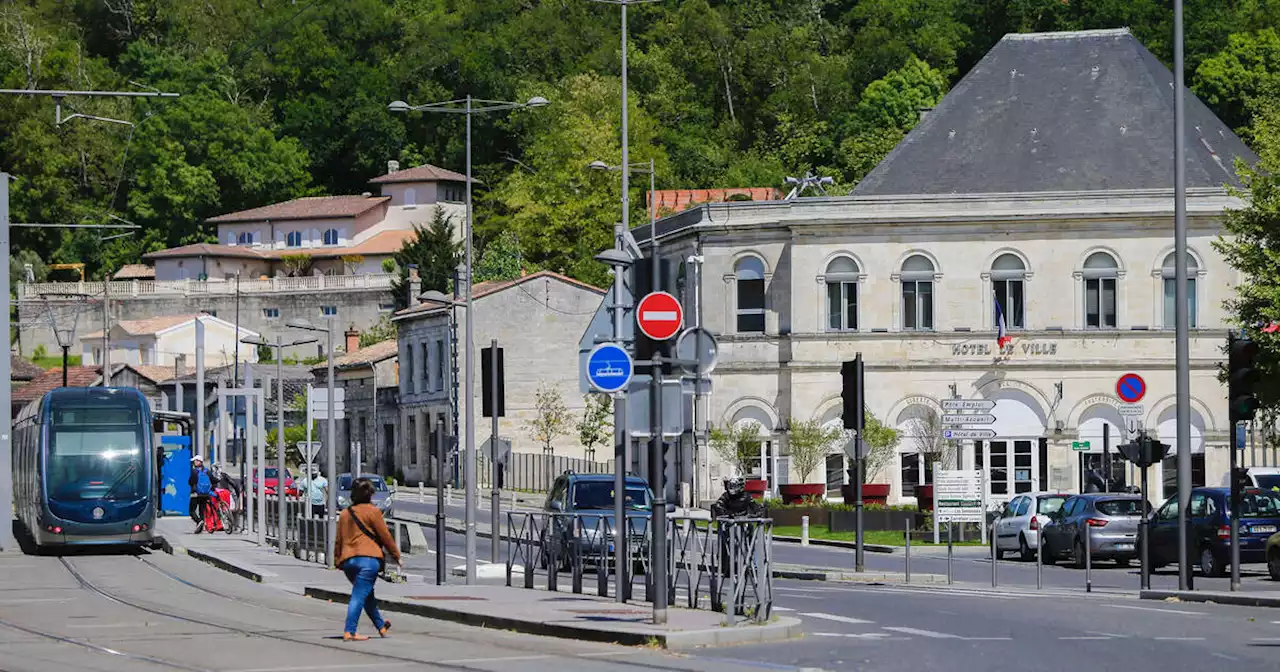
x,y
120,288
534,472
304,532
724,565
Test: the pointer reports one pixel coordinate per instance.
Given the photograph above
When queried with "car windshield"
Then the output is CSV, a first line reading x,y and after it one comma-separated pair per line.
x,y
379,485
1259,504
1268,481
271,472
96,452
1052,504
1119,507
599,495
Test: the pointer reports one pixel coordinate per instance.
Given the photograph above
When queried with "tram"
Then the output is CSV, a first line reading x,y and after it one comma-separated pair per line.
x,y
84,467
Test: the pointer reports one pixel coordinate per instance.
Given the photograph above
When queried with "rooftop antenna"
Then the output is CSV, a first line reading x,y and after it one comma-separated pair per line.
x,y
810,181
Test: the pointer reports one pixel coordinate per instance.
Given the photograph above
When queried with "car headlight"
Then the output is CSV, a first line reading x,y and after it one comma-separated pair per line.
x,y
343,502
384,504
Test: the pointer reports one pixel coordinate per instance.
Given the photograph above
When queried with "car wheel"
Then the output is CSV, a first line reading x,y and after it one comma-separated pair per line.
x,y
1209,565
1273,565
1046,554
1024,551
1122,562
1077,554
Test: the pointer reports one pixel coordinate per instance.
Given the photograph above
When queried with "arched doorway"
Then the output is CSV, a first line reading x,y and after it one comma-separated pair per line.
x,y
1103,429
1016,460
767,464
1167,475
919,446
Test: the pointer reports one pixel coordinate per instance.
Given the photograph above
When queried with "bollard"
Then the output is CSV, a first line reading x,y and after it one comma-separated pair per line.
x,y
1040,558
994,558
448,495
804,530
907,553
1088,557
422,493
950,580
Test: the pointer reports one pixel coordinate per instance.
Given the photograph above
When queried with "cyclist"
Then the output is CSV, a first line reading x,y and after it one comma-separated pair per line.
x,y
201,482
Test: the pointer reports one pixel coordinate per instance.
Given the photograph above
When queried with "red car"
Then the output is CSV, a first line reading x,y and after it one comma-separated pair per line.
x,y
273,481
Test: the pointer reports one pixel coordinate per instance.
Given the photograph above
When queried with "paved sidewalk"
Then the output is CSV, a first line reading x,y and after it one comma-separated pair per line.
x,y
538,612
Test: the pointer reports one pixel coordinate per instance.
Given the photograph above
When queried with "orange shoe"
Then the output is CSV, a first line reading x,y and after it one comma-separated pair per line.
x,y
386,627
352,637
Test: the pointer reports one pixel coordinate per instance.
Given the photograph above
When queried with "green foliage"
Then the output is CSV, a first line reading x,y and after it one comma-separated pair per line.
x,y
737,445
882,444
808,443
596,426
296,265
382,330
40,352
551,417
502,259
436,253
1232,79
293,434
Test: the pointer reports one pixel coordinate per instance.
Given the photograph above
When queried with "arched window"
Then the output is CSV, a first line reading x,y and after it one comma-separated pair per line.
x,y
294,239
842,294
1100,274
1169,273
330,236
1008,278
750,276
917,293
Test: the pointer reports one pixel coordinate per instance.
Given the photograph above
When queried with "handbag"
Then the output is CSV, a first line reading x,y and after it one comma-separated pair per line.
x,y
382,561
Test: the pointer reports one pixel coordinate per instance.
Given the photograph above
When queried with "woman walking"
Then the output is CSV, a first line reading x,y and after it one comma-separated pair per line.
x,y
358,552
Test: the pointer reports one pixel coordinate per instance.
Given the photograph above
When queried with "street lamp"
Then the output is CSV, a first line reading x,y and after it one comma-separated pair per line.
x,y
646,167
279,345
331,450
468,106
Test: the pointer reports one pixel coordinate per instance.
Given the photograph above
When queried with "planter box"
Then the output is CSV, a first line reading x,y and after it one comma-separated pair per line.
x,y
892,521
757,487
791,517
924,497
872,493
794,493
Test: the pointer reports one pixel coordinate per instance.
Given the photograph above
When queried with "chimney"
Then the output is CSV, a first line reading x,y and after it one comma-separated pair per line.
x,y
415,285
393,167
353,339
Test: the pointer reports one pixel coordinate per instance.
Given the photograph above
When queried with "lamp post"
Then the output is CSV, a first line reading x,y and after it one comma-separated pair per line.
x,y
468,106
619,260
331,451
1182,347
279,345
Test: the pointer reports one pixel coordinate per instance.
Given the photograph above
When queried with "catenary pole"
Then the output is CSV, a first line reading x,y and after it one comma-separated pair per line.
x,y
1182,342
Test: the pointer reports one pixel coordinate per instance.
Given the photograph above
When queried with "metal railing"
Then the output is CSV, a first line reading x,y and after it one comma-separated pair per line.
x,y
724,565
122,288
304,532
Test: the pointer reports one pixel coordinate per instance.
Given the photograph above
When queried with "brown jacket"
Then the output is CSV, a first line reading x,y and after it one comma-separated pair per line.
x,y
351,542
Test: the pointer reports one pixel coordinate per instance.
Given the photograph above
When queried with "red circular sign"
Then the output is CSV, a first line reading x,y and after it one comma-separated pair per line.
x,y
1131,388
659,316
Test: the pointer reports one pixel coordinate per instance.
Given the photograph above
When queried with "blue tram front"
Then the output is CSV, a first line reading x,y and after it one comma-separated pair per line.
x,y
84,467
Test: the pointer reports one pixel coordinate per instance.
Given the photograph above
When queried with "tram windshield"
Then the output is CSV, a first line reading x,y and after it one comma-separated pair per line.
x,y
96,452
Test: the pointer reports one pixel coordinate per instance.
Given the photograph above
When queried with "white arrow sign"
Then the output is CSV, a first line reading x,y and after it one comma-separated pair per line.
x,y
960,419
961,434
968,404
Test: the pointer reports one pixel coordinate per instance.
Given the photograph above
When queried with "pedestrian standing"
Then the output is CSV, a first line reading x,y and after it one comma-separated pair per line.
x,y
359,553
317,489
201,483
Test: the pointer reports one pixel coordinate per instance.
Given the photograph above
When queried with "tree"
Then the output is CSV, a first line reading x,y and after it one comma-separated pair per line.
x,y
882,444
551,417
596,426
502,259
436,253
382,330
1231,80
737,445
926,438
295,265
889,109
808,443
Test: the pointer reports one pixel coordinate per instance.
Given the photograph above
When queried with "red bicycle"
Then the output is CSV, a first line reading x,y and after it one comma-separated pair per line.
x,y
218,514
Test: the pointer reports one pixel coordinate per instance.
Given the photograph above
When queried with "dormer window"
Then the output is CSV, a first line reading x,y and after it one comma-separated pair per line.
x,y
294,239
331,237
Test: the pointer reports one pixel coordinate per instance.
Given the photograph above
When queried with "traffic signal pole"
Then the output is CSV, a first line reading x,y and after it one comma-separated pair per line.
x,y
1236,427
1242,405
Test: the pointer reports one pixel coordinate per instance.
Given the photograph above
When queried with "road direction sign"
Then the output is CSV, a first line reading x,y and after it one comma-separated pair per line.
x,y
1131,388
609,368
697,344
968,404
659,316
1131,409
320,403
958,496
1132,425
1079,445
962,419
962,434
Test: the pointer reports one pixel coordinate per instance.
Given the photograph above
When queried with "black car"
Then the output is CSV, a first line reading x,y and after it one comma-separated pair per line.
x,y
590,497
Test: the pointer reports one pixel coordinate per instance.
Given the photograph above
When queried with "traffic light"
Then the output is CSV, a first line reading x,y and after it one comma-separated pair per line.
x,y
851,393
1240,479
1242,375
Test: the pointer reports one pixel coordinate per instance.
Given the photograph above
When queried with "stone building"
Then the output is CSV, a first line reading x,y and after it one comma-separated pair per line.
x,y
537,320
364,373
1038,193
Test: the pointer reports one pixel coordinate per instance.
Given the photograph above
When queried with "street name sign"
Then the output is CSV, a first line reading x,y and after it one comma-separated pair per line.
x,y
958,496
963,434
968,404
962,419
1079,445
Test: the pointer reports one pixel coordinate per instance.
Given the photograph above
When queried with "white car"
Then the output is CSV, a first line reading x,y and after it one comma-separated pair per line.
x,y
1018,527
1265,478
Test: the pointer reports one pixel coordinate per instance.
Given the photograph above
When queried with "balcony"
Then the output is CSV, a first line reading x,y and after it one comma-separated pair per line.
x,y
124,288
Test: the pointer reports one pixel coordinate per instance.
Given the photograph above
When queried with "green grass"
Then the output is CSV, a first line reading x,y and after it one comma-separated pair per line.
x,y
879,537
55,362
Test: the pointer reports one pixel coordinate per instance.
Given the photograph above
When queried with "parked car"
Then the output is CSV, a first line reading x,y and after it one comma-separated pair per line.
x,y
272,480
1273,556
383,496
1018,526
1112,521
591,496
1210,539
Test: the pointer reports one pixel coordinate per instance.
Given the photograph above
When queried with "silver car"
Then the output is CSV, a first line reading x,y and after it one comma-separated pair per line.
x,y
1018,527
1108,520
382,495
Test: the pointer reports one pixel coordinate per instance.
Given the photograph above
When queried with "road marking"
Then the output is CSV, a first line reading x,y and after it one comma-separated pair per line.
x,y
1178,639
302,668
460,661
803,597
1265,639
1083,638
800,590
782,609
923,633
1223,655
106,625
1108,635
838,619
1162,611
828,634
24,600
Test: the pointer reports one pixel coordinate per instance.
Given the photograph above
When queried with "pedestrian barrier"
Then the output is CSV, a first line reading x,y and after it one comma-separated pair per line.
x,y
724,565
304,532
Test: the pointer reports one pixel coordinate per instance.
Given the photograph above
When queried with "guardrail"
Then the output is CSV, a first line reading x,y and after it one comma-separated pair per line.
x,y
724,564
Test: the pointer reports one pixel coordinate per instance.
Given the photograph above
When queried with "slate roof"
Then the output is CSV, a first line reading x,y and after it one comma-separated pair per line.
x,y
1046,112
424,173
308,207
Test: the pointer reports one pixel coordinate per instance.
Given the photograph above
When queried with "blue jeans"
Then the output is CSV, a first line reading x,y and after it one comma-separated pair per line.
x,y
362,572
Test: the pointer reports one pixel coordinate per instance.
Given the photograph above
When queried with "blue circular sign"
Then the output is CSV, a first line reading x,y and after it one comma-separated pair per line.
x,y
609,367
1131,388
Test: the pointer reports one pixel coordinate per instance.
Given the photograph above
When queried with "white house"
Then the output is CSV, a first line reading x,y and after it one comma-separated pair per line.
x,y
164,341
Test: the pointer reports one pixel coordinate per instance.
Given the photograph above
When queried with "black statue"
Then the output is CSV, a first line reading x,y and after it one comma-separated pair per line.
x,y
735,502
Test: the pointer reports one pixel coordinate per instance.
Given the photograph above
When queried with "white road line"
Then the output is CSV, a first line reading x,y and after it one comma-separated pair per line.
x,y
1108,635
800,590
1265,639
1223,655
923,633
1178,639
106,625
828,634
782,609
803,597
987,639
1082,638
838,619
1162,611
302,668
461,661
25,600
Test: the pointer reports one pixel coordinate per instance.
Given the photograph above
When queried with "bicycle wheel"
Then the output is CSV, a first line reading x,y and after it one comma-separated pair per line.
x,y
225,519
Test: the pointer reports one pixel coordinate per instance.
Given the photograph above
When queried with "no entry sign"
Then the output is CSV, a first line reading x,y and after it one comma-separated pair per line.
x,y
659,316
1131,388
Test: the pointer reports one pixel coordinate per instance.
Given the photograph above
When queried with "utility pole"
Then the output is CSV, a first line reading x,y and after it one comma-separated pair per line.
x,y
106,331
1182,349
7,541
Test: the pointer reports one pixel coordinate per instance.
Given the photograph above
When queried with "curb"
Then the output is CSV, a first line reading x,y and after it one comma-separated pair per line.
x,y
781,630
872,578
869,548
1234,599
223,565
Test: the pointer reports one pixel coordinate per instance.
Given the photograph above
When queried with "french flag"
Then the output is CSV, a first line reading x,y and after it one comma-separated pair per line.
x,y
1002,333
